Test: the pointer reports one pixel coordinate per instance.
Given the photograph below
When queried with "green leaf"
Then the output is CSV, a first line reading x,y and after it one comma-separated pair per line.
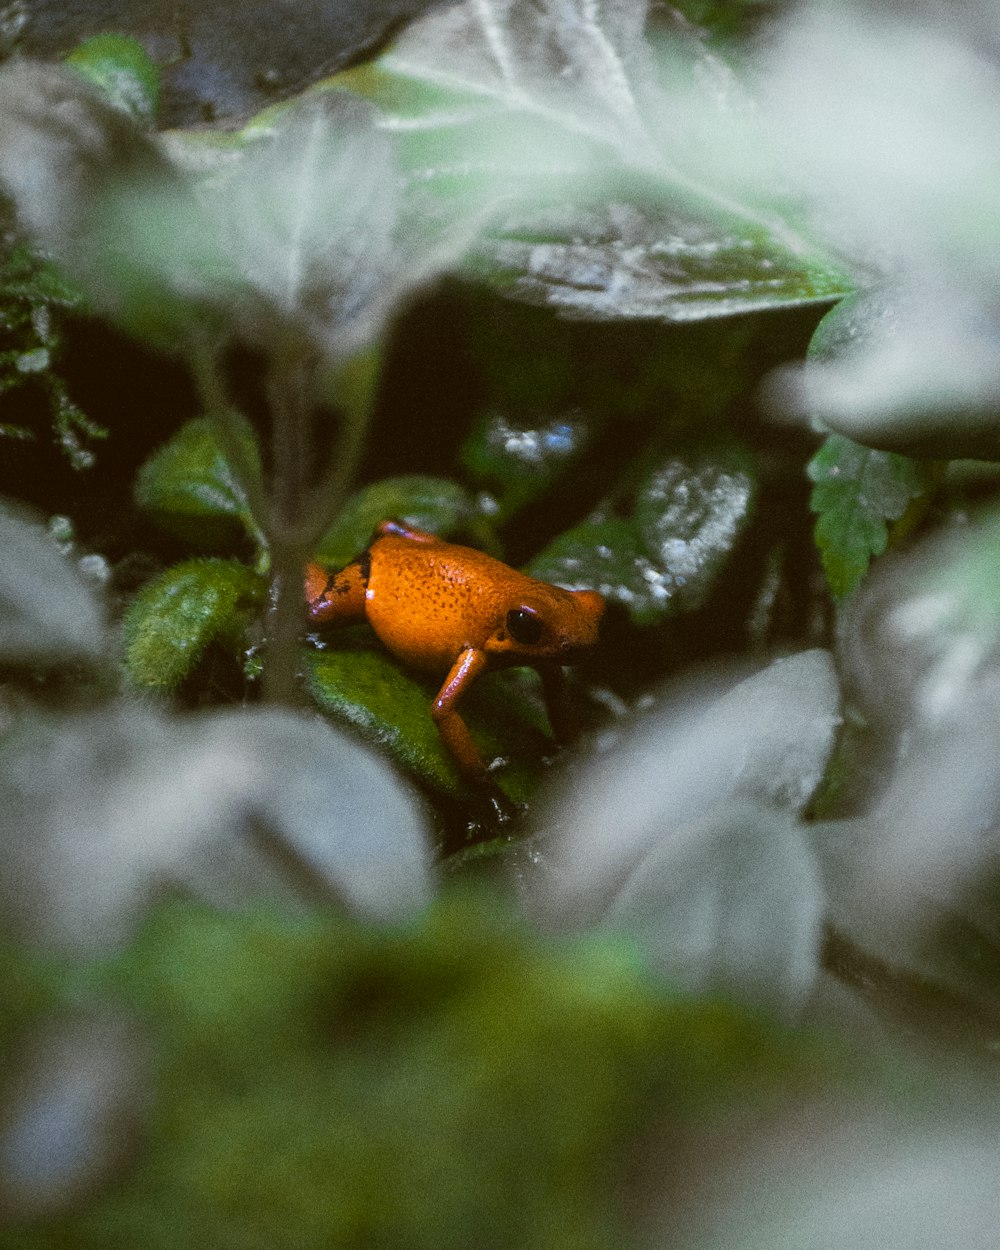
x,y
520,459
173,619
429,503
691,512
857,492
188,486
367,689
598,209
606,554
122,68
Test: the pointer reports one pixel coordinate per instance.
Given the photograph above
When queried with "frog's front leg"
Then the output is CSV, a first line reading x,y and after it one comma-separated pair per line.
x,y
336,598
451,727
563,716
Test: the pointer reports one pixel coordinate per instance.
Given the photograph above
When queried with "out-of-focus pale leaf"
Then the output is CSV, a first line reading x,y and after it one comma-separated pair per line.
x,y
835,1176
557,113
908,371
297,232
730,904
102,812
912,879
888,122
122,68
98,195
47,611
765,739
922,640
309,213
74,1107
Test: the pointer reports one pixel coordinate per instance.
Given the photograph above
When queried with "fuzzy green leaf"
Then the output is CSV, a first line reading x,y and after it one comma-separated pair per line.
x,y
429,503
392,709
857,492
173,619
122,68
188,486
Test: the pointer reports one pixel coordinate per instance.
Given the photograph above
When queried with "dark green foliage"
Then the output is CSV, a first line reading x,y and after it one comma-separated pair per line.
x,y
430,503
172,620
689,513
363,686
189,486
858,492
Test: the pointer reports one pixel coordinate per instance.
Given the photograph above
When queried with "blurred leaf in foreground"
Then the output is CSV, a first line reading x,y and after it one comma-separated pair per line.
x,y
505,1085
121,67
714,770
48,614
557,109
104,811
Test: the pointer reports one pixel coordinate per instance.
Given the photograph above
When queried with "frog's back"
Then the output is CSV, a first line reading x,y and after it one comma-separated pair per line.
x,y
428,601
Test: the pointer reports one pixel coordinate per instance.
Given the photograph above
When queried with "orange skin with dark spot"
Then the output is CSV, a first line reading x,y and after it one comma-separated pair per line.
x,y
457,611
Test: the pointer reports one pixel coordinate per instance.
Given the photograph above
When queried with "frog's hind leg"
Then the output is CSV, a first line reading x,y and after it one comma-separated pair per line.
x,y
337,598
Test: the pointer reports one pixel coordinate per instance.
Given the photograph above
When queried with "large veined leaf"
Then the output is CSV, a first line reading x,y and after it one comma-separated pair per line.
x,y
597,214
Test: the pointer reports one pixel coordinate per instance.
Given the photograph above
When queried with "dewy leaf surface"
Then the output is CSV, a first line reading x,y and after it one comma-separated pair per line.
x,y
857,492
556,109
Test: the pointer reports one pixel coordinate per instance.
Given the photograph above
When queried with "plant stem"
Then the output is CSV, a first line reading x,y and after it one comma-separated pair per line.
x,y
290,394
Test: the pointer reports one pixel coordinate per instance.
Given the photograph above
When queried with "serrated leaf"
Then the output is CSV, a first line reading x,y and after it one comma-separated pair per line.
x,y
122,68
173,619
691,512
188,486
391,708
857,492
430,503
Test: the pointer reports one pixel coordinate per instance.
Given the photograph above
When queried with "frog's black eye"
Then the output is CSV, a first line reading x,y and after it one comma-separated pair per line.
x,y
524,626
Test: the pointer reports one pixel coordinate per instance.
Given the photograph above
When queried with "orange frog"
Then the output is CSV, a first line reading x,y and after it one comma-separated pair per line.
x,y
454,610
